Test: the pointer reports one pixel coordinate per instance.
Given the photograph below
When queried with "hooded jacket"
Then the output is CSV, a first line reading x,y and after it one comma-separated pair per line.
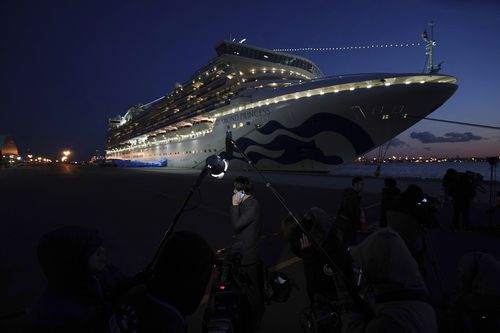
x,y
75,299
400,293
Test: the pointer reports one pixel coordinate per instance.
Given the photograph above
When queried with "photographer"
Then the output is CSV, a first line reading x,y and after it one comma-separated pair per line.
x,y
411,214
390,192
415,203
320,277
350,214
245,219
462,191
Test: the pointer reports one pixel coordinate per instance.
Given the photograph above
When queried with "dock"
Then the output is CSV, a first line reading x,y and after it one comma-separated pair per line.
x,y
133,207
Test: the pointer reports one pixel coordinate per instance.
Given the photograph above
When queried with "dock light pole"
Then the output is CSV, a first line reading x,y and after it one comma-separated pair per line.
x,y
65,156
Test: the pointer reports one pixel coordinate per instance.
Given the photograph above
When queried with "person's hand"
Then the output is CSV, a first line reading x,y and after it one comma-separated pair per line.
x,y
236,199
304,242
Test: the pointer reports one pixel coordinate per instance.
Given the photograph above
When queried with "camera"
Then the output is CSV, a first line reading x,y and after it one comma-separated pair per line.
x,y
228,307
227,302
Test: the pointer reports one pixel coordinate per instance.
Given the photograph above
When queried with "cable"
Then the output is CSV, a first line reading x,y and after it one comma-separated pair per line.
x,y
455,122
347,48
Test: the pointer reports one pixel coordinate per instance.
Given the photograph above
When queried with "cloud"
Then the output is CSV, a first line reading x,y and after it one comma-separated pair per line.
x,y
427,148
397,143
427,137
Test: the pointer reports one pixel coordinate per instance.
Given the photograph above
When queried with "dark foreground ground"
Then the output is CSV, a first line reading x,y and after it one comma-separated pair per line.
x,y
133,207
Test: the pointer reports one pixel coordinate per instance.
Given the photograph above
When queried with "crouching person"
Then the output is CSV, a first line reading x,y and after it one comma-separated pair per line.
x,y
320,277
400,301
80,282
174,290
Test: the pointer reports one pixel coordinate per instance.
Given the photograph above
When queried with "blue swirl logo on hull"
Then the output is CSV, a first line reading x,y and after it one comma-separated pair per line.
x,y
296,150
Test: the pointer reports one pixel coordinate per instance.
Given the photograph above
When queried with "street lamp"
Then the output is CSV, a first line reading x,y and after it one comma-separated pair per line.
x,y
65,156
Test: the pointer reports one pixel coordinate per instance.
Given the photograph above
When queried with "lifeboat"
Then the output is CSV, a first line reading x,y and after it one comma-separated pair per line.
x,y
184,128
203,123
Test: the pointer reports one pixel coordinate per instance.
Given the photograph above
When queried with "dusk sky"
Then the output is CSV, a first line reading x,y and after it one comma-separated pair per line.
x,y
67,66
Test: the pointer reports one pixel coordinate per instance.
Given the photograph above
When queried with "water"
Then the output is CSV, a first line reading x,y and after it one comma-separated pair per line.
x,y
416,170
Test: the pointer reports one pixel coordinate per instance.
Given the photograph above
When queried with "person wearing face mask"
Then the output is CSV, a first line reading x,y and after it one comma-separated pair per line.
x,y
246,221
80,282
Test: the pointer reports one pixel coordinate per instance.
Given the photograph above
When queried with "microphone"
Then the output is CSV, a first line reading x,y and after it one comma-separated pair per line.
x,y
216,166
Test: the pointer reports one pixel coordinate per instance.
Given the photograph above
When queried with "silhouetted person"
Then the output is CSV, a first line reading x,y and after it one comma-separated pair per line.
x,y
449,178
175,289
462,192
411,213
389,193
246,221
349,214
477,307
399,293
80,283
317,269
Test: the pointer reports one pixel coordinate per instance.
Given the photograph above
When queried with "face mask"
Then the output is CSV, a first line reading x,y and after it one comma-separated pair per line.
x,y
240,195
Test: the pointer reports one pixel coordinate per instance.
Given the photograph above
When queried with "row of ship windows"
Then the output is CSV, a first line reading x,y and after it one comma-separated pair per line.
x,y
189,152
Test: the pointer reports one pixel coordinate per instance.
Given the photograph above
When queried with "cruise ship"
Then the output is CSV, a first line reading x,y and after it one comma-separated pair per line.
x,y
281,110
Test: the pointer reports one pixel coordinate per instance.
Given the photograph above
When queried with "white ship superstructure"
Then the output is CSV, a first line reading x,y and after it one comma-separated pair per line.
x,y
282,112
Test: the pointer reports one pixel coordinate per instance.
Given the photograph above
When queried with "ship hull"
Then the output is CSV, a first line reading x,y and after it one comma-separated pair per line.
x,y
310,133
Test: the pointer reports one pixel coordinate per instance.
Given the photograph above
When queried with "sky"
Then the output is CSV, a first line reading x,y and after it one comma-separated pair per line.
x,y
68,66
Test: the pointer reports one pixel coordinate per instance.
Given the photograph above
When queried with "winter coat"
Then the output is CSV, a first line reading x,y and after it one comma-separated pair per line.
x,y
247,225
349,213
400,293
320,276
389,194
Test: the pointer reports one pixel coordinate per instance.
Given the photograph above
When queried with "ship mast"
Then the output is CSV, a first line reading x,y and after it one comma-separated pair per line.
x,y
429,47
